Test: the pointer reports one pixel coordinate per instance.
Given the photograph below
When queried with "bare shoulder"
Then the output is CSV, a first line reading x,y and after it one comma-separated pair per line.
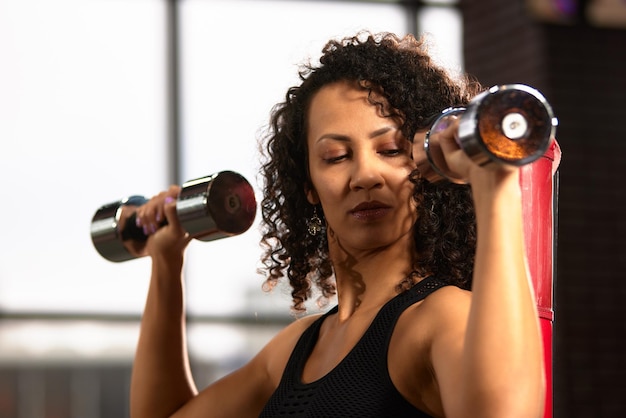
x,y
292,332
449,303
448,294
276,353
445,309
448,299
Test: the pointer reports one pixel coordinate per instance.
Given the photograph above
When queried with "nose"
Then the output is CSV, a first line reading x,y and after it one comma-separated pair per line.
x,y
366,173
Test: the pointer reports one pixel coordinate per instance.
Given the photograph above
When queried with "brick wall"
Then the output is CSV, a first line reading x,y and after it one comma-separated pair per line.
x,y
582,71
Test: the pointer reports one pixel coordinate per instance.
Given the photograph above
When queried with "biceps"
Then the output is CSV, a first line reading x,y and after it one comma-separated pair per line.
x,y
447,361
242,393
448,352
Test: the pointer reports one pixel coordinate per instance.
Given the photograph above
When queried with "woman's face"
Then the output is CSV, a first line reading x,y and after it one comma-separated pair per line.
x,y
359,164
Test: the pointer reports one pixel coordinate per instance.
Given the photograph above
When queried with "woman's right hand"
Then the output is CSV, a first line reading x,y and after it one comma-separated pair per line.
x,y
165,239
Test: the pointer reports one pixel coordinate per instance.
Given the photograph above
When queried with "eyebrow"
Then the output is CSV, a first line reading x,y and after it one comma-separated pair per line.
x,y
344,138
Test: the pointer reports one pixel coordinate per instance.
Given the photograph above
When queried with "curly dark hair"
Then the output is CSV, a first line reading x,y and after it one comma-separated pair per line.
x,y
415,90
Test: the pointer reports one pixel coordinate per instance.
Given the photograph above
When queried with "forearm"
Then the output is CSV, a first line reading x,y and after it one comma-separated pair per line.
x,y
161,381
503,345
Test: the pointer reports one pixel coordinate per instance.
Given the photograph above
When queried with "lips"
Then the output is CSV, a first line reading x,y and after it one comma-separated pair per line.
x,y
370,211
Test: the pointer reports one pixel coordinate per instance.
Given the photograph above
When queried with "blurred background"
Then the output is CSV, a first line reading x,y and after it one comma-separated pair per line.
x,y
103,99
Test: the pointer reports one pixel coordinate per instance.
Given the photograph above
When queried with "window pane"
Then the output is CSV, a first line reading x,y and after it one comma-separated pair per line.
x,y
443,27
82,114
238,59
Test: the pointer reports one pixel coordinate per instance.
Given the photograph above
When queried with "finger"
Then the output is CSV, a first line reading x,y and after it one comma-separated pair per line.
x,y
169,205
171,214
148,216
417,147
151,216
448,135
173,191
169,211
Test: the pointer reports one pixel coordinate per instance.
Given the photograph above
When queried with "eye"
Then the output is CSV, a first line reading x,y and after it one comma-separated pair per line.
x,y
394,148
391,152
334,155
335,159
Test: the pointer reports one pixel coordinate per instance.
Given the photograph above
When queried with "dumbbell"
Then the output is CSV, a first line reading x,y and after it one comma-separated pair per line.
x,y
209,208
507,124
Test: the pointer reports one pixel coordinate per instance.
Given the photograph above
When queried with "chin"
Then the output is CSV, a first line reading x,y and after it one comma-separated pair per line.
x,y
373,242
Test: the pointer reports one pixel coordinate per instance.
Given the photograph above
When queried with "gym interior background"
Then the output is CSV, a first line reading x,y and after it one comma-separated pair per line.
x,y
100,100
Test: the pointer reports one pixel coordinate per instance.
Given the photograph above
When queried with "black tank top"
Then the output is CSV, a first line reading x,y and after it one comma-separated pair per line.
x,y
360,385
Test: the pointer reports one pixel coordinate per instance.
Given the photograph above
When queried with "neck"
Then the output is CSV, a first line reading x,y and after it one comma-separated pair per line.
x,y
368,279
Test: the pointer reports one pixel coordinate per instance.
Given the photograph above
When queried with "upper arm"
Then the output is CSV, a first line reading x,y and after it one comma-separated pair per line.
x,y
244,392
451,309
241,393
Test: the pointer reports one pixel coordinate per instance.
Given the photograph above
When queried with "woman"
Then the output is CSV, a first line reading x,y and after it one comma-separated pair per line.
x,y
345,209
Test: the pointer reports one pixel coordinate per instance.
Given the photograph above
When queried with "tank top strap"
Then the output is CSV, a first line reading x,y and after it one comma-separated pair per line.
x,y
415,294
384,323
303,348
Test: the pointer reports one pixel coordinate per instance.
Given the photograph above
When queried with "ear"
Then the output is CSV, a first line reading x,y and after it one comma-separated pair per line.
x,y
311,194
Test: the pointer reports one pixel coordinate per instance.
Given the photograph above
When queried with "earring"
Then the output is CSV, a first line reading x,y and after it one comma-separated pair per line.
x,y
314,224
